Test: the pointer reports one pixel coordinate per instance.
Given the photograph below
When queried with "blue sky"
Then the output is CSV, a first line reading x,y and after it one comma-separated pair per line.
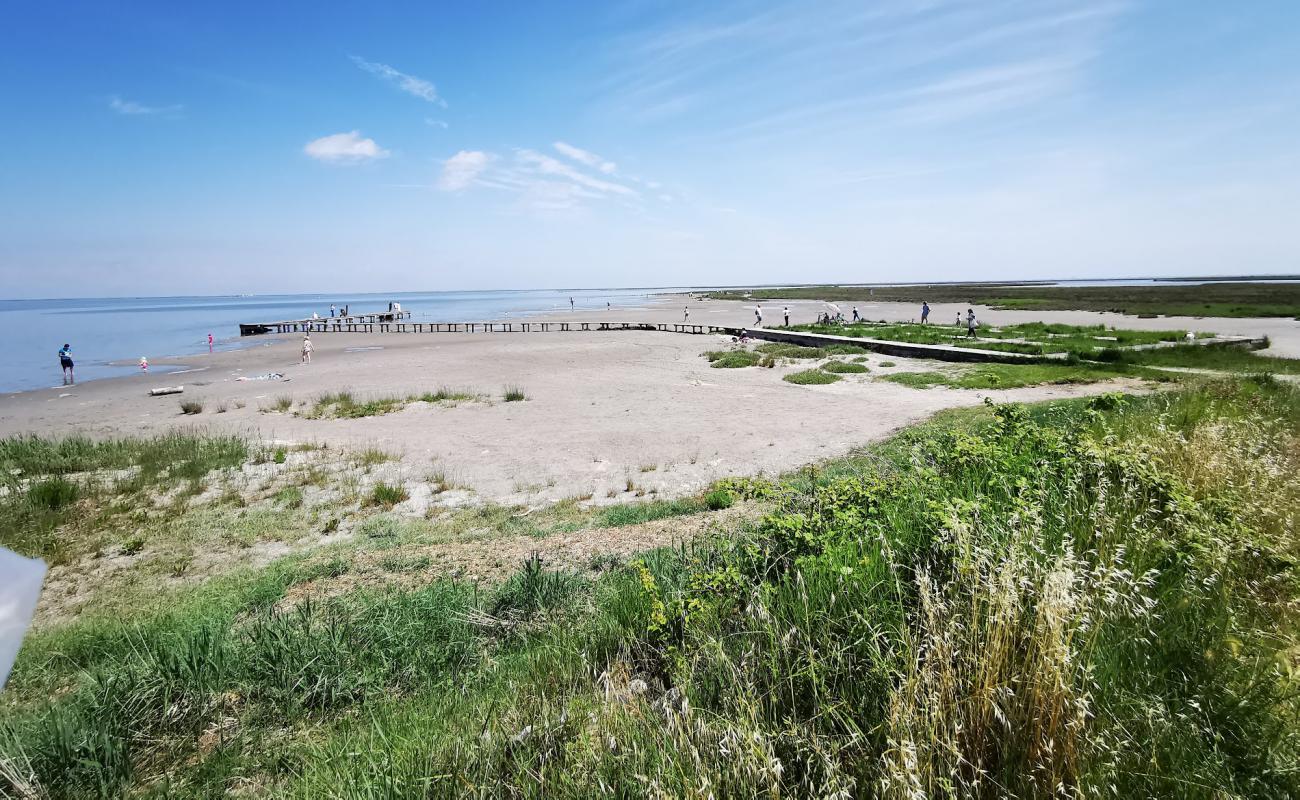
x,y
163,148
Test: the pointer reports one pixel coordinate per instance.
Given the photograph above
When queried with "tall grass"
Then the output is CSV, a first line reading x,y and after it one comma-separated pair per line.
x,y
48,482
1094,598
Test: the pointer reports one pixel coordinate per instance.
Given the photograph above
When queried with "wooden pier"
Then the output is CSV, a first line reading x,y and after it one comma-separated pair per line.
x,y
398,322
314,324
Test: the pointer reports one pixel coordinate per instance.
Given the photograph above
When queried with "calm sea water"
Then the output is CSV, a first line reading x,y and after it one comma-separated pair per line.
x,y
108,336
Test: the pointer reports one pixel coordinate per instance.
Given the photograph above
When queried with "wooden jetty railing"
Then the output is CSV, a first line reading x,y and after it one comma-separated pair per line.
x,y
322,324
397,322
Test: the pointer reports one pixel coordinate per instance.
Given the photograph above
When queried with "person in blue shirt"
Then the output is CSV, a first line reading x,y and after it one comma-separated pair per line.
x,y
65,360
925,312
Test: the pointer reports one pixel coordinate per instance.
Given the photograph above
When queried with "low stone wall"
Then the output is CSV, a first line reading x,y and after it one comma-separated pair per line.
x,y
937,352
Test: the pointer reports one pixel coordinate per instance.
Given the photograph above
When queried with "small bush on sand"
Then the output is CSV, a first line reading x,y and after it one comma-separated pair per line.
x,y
53,494
810,377
718,499
844,367
191,407
388,494
513,394
732,359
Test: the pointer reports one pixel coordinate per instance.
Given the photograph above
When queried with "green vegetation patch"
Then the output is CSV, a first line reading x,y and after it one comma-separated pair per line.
x,y
1225,299
1000,602
1012,376
732,359
811,377
844,367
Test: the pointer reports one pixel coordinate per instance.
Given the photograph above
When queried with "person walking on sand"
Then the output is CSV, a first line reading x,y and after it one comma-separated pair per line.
x,y
306,349
65,361
758,316
856,318
958,322
786,313
925,312
331,311
571,308
686,314
971,324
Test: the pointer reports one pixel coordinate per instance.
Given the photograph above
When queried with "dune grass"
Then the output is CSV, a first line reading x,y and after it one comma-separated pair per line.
x,y
732,359
51,482
811,377
1013,376
844,367
1089,598
513,394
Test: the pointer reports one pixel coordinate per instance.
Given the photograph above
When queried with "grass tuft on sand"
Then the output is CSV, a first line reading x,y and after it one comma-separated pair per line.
x,y
811,377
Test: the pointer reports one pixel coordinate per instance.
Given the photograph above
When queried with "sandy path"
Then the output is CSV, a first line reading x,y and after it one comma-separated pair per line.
x,y
602,408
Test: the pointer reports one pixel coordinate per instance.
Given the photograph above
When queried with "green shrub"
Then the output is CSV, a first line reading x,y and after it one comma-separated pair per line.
x,y
513,394
811,377
732,359
718,499
844,367
388,494
53,494
191,407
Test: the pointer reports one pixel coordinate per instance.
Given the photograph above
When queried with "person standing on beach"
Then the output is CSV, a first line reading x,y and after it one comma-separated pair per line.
x,y
856,318
306,349
758,316
65,361
971,324
925,312
571,304
958,322
786,313
209,343
686,314
331,311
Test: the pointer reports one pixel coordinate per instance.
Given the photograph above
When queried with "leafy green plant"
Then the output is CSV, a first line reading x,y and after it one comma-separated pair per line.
x,y
810,377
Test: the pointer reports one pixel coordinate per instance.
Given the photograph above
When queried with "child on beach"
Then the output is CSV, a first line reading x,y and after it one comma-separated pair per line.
x,y
144,363
306,349
925,312
971,324
65,361
856,318
209,343
786,312
758,316
686,314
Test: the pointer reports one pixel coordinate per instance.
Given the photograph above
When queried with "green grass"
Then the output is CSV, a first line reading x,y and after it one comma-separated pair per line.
x,y
810,377
732,359
1013,376
636,513
844,367
1095,597
446,394
1227,299
344,405
1224,357
388,494
50,483
513,394
1038,338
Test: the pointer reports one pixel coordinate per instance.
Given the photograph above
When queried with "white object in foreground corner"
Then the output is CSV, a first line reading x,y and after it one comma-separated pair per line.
x,y
161,390
20,588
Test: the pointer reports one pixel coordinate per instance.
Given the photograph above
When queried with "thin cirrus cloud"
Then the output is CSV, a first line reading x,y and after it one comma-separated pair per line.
x,y
586,157
131,108
417,87
541,181
463,169
344,148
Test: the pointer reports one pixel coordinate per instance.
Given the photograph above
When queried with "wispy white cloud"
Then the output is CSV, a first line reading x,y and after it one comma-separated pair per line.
x,y
463,170
542,182
344,148
418,87
436,123
132,108
546,165
586,157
